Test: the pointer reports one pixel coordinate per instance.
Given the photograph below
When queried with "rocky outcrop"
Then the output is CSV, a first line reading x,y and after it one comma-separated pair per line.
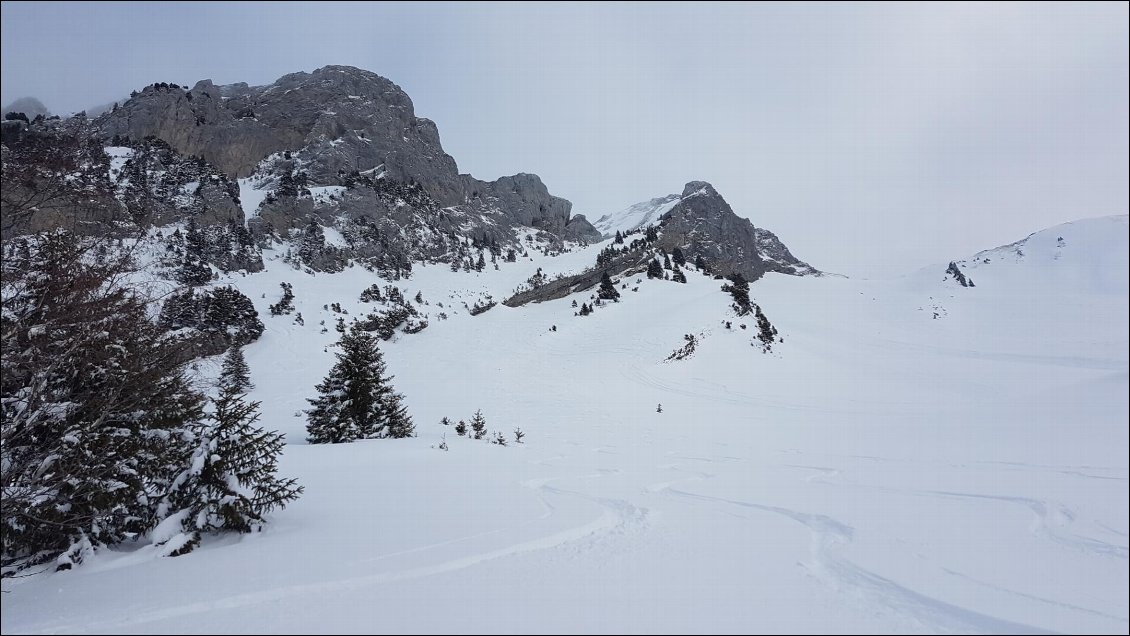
x,y
330,128
171,187
703,224
777,257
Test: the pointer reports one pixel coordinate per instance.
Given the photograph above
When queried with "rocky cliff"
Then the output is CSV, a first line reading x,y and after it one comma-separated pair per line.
x,y
326,129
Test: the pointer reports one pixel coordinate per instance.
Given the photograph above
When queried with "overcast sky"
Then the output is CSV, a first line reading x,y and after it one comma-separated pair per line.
x,y
869,137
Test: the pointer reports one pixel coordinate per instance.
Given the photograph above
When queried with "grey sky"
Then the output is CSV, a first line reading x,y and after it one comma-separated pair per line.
x,y
867,136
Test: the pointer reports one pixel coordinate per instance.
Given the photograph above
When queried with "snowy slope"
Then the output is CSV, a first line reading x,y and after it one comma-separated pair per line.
x,y
914,457
636,216
1082,256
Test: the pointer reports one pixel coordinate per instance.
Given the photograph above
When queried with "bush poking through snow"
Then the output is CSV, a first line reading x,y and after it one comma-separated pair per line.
x,y
286,305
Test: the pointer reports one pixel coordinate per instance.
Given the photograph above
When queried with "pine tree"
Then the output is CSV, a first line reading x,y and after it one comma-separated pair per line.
x,y
234,373
678,276
286,304
313,242
479,424
678,257
654,269
619,238
95,405
700,264
461,428
399,423
739,290
356,398
607,289
194,270
231,482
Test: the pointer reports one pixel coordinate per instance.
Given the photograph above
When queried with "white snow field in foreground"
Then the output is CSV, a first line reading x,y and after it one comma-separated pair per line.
x,y
881,470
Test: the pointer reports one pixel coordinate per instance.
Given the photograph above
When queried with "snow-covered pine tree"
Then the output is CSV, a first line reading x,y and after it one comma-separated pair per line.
x,y
94,400
230,483
313,242
461,428
479,424
234,372
399,423
355,397
654,269
607,291
194,270
286,304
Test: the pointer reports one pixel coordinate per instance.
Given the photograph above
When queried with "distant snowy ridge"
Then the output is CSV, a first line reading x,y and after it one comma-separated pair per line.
x,y
1086,255
636,216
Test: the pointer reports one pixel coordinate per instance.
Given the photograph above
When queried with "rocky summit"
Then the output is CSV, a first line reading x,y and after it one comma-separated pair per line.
x,y
337,164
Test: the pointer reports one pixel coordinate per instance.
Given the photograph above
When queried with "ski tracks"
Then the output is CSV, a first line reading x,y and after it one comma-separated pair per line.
x,y
829,537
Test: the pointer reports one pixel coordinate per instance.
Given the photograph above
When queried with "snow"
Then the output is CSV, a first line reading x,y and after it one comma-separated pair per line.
x,y
118,155
323,194
879,471
252,191
636,216
334,237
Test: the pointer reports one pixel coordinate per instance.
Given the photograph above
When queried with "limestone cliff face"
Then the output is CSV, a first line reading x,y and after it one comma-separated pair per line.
x,y
701,223
330,126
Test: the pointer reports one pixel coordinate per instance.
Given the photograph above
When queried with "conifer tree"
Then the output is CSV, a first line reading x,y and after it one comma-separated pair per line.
x,y
678,257
739,290
286,304
356,398
235,373
654,269
230,483
700,264
607,291
479,424
313,242
399,423
95,405
461,428
194,270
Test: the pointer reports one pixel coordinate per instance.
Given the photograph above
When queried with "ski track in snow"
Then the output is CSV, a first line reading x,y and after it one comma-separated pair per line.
x,y
829,538
1051,521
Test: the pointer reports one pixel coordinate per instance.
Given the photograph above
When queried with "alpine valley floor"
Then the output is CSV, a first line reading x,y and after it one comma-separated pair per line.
x,y
916,456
